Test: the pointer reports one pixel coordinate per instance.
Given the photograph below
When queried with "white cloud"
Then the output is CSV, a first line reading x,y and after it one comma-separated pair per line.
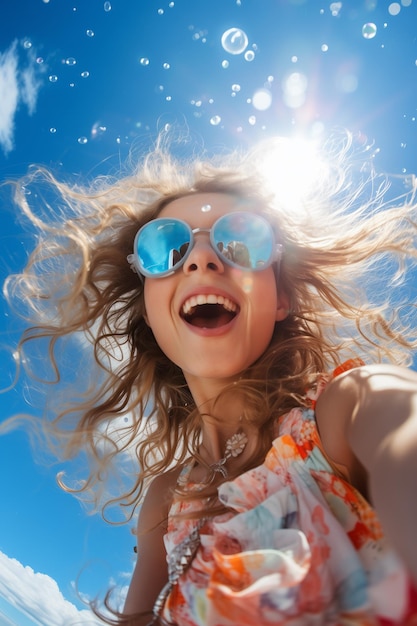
x,y
9,96
30,84
17,84
38,596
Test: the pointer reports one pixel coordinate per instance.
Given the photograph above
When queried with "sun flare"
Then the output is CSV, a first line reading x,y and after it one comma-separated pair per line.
x,y
293,168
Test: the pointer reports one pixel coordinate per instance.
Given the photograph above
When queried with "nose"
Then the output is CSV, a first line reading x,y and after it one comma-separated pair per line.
x,y
202,257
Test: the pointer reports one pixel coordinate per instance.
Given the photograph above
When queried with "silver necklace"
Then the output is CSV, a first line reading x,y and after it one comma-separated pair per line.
x,y
234,447
182,555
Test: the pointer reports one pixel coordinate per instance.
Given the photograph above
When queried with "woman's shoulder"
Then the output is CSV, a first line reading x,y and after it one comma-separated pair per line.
x,y
163,484
158,498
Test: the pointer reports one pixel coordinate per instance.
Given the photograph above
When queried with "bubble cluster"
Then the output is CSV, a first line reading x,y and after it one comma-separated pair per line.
x,y
369,30
234,41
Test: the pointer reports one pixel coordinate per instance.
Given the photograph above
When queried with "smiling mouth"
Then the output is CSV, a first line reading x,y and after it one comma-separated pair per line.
x,y
208,311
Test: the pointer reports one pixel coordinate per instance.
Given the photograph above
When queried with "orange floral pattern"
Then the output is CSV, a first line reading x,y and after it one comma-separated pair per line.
x,y
300,546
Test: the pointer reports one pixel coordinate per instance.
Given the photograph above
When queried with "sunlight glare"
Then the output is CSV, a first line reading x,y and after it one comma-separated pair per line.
x,y
292,169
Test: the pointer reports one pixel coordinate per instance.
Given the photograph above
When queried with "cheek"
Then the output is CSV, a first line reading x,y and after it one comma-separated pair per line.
x,y
153,299
156,313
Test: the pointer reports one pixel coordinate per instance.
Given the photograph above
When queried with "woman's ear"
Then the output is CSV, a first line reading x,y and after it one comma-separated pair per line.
x,y
283,307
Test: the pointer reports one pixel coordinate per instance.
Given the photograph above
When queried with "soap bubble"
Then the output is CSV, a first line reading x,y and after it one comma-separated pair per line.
x,y
235,88
225,64
369,30
107,6
82,140
144,61
53,78
70,61
234,41
335,8
52,130
394,8
295,87
262,99
97,130
89,32
215,120
85,74
249,55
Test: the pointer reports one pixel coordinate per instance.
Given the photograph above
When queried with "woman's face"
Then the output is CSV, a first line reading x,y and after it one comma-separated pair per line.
x,y
211,319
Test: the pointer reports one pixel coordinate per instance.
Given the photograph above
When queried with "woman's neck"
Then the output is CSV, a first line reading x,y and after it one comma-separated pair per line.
x,y
223,415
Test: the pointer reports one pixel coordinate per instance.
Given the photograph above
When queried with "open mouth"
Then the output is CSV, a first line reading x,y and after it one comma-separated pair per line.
x,y
208,311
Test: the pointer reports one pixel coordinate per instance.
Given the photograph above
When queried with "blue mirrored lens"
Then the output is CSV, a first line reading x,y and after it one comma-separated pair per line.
x,y
161,245
244,239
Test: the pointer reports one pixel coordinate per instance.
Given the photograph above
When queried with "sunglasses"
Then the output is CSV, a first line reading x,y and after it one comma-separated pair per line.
x,y
241,239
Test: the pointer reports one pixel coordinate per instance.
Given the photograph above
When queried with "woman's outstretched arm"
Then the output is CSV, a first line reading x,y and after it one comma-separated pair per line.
x,y
368,418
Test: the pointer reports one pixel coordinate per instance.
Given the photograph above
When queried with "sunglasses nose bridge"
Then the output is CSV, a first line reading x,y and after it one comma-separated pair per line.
x,y
202,254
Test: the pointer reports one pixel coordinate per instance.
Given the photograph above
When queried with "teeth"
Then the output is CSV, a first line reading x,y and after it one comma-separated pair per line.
x,y
208,299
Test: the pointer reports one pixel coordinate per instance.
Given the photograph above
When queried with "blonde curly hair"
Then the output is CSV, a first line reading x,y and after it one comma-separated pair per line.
x,y
78,283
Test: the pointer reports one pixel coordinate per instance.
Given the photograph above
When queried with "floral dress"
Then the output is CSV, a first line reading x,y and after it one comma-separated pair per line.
x,y
299,547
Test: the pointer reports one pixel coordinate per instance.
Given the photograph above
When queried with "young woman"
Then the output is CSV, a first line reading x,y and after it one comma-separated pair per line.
x,y
282,470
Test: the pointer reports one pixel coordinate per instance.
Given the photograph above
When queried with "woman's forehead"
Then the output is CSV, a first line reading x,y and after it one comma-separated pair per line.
x,y
209,206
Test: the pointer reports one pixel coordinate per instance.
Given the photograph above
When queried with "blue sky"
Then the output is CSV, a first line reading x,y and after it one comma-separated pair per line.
x,y
84,81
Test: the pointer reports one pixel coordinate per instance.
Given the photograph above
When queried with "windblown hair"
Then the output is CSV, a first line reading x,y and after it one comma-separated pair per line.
x,y
77,282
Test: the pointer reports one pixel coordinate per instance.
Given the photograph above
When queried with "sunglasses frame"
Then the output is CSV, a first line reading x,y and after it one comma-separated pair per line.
x,y
136,266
